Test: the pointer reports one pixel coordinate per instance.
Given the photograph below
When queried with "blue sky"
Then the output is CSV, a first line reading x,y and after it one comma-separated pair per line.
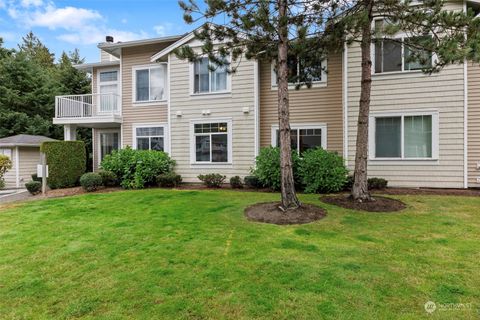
x,y
63,25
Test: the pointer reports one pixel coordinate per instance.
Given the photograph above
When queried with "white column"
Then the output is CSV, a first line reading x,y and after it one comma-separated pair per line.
x,y
69,132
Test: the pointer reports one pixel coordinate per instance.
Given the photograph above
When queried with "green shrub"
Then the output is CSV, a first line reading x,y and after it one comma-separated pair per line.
x,y
236,182
137,169
66,162
322,171
91,181
252,182
109,179
267,167
348,183
212,180
36,178
34,187
169,180
377,183
5,165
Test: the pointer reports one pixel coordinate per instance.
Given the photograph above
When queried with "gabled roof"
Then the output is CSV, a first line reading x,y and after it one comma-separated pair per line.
x,y
24,140
90,66
114,48
180,42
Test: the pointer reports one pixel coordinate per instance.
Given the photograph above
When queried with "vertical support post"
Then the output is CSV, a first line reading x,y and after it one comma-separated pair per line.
x,y
43,161
69,132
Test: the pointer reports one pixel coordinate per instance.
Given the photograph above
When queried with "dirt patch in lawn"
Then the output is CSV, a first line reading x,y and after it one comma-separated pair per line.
x,y
378,204
270,212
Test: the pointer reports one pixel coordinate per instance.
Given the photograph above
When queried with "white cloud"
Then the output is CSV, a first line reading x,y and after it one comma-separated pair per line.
x,y
31,3
2,4
163,29
124,20
8,36
78,26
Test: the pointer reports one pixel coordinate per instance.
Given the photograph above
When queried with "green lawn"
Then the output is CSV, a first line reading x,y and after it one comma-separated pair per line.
x,y
161,254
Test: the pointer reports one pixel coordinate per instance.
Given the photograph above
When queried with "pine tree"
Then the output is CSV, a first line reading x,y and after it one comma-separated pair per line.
x,y
270,31
36,50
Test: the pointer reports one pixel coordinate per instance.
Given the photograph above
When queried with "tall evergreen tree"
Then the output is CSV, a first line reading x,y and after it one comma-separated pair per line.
x,y
271,31
34,49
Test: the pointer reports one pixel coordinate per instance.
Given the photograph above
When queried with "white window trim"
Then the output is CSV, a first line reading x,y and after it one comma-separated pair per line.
x,y
118,83
210,93
229,141
99,144
299,126
166,134
401,36
315,84
6,152
435,135
134,84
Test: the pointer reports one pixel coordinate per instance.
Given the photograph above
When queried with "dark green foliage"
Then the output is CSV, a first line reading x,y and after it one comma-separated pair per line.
x,y
169,180
66,162
349,183
36,178
377,183
212,180
236,182
322,171
91,181
267,167
137,169
109,178
252,182
34,187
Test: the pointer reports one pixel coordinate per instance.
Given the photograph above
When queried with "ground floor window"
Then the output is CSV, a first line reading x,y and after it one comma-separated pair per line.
x,y
404,136
150,138
211,142
303,137
109,141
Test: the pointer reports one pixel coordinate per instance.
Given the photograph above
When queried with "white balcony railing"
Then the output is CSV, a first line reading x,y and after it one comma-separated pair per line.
x,y
87,105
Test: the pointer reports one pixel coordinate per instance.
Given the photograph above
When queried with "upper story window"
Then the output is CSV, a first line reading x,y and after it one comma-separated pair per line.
x,y
150,83
299,72
209,80
394,55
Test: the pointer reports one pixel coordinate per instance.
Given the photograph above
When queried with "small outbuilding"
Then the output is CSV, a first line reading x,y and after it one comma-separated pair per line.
x,y
24,151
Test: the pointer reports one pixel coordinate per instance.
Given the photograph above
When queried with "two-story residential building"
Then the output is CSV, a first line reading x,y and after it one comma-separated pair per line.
x,y
424,129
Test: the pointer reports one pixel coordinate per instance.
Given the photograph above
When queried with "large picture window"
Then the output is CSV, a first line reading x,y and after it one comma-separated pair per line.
x,y
304,137
208,80
211,142
405,136
150,83
150,138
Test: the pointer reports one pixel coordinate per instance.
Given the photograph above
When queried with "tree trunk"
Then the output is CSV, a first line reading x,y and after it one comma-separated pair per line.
x,y
360,185
289,197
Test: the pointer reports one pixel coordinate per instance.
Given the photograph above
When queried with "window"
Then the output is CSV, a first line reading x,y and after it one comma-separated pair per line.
x,y
406,136
212,142
304,137
150,83
399,53
206,80
6,152
108,89
299,72
150,138
109,141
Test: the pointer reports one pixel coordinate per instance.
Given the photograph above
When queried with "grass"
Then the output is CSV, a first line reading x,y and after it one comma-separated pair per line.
x,y
166,254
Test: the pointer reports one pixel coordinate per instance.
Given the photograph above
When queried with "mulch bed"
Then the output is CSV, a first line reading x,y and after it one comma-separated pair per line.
x,y
431,192
378,204
269,212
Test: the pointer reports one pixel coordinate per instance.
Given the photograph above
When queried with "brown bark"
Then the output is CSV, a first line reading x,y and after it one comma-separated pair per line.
x,y
360,185
289,197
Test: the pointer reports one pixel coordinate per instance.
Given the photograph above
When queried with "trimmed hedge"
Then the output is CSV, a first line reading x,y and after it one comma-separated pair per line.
x,y
169,180
34,187
137,169
212,180
66,162
91,181
236,182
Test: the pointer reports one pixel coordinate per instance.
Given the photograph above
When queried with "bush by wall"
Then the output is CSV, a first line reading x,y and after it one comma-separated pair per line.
x,y
252,182
109,179
267,167
377,183
66,162
212,180
169,180
322,171
236,182
137,169
90,181
5,165
33,187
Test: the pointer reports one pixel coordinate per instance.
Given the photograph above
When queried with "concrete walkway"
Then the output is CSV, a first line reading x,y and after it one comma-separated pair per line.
x,y
13,195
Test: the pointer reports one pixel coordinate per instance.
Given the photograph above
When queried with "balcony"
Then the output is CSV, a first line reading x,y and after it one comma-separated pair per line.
x,y
88,110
